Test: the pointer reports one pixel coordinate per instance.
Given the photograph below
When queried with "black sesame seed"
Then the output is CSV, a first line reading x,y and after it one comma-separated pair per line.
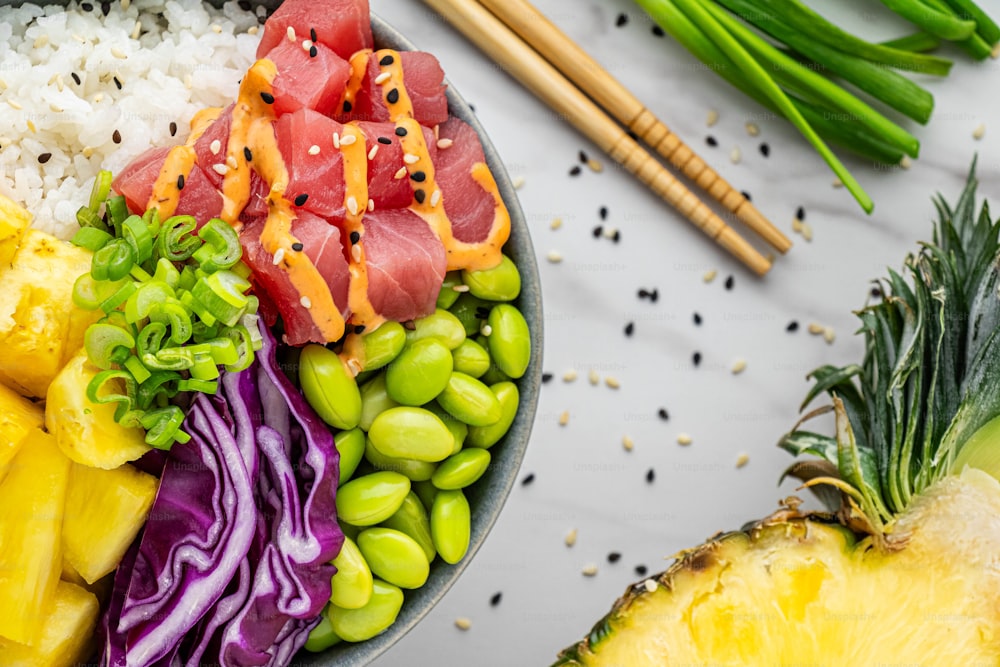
x,y
173,128
87,7
617,236
792,327
658,31
244,5
575,171
267,97
643,293
583,158
630,328
301,199
355,237
641,570
386,61
180,181
614,557
105,8
385,141
603,212
654,296
621,20
696,358
419,176
650,476
765,150
697,319
400,131
248,154
347,106
118,83
711,141
546,378
730,281
800,213
44,157
313,51
419,195
663,414
359,329
495,599
876,293
392,96
312,35
472,108
746,195
76,78
297,247
597,231
116,137
528,479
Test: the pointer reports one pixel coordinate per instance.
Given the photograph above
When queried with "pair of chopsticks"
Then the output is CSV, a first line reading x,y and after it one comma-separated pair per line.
x,y
533,50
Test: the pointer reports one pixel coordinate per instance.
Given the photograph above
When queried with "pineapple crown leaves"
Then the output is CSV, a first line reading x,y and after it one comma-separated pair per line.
x,y
928,380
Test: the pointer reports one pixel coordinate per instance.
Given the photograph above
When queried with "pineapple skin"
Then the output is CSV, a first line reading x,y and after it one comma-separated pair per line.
x,y
805,590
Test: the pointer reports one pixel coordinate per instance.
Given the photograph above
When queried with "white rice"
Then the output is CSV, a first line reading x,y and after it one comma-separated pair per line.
x,y
188,56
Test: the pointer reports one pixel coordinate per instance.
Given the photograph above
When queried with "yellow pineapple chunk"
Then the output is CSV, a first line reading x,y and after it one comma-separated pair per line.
x,y
17,417
32,498
40,328
13,221
104,511
67,635
87,432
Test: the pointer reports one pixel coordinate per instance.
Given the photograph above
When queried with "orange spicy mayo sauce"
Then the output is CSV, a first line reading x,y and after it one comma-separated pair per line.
x,y
355,160
359,66
177,166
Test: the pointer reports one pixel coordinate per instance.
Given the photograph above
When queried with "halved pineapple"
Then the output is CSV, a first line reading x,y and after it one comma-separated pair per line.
x,y
17,417
67,634
32,498
104,511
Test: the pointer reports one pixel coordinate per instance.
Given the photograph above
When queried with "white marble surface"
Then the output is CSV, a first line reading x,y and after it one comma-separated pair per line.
x,y
584,479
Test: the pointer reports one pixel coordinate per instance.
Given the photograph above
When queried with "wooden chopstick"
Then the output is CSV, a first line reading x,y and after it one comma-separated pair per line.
x,y
563,53
535,73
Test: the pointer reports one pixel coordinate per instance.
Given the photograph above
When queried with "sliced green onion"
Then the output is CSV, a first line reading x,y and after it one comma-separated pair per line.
x,y
202,386
222,246
150,295
176,242
89,218
102,340
169,359
113,261
167,273
150,339
100,191
91,238
204,367
112,380
117,210
244,346
119,296
162,426
197,307
160,384
222,294
152,219
136,233
138,371
176,316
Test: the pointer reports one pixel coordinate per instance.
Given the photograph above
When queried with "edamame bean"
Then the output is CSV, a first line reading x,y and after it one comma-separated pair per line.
x,y
470,311
459,429
501,283
329,387
447,295
374,401
470,358
412,433
415,471
426,492
395,557
510,340
370,499
357,625
487,436
460,470
494,375
470,400
420,372
440,324
411,518
322,636
451,525
383,344
351,447
352,583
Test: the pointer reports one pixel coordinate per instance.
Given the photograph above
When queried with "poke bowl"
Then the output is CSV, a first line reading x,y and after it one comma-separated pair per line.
x,y
486,495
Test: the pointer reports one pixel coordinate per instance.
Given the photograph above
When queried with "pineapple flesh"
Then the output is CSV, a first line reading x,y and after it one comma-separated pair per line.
x,y
14,220
18,416
67,635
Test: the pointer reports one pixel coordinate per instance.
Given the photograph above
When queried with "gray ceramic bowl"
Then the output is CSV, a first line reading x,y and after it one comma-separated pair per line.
x,y
486,496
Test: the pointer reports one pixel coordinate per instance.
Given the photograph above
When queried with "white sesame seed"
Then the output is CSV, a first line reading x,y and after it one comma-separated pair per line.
x,y
336,140
905,162
217,29
837,183
709,275
752,129
253,30
807,231
570,538
742,460
410,158
98,98
569,376
220,168
627,443
14,105
460,288
435,197
735,155
739,366
609,232
650,586
118,53
445,143
593,377
231,162
589,570
306,302
348,139
126,4
356,253
816,328
371,205
437,132
215,147
518,182
313,150
979,132
87,151
290,33
612,382
382,78
564,418
279,255
712,118
373,152
55,108
796,225
829,335
400,173
487,330
995,53
352,205
684,439
556,223
463,623
354,365
554,256
306,44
